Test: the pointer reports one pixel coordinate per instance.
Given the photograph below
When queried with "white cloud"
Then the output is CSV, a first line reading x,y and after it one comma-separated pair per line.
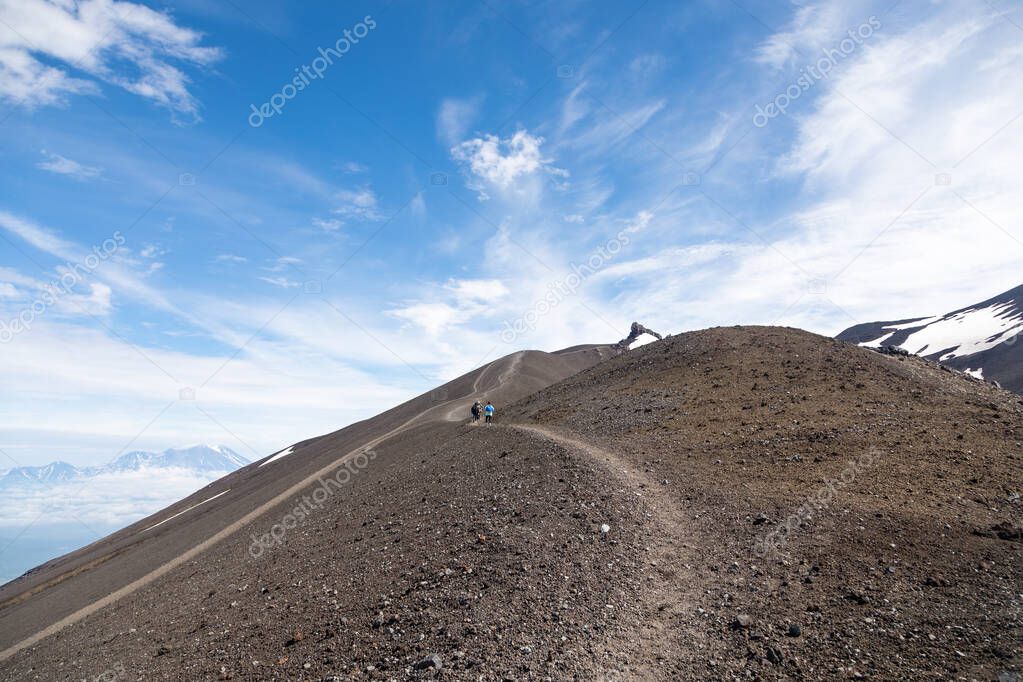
x,y
455,116
574,218
359,203
282,263
432,318
640,222
282,282
454,304
55,163
328,224
122,43
116,498
869,150
230,258
501,162
471,291
418,205
813,27
116,272
595,132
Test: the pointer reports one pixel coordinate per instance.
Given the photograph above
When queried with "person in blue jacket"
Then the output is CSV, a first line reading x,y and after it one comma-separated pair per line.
x,y
488,411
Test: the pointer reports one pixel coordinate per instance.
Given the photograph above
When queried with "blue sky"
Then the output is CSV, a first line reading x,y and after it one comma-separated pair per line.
x,y
465,180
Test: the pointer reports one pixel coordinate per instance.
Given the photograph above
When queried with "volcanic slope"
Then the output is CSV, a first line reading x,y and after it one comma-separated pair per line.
x,y
62,588
614,525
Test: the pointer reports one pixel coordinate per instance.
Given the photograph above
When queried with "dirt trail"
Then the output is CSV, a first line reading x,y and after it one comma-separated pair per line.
x,y
460,406
669,598
450,411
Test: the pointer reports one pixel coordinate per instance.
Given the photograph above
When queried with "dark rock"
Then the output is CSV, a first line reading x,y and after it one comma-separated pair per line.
x,y
432,661
634,333
774,655
858,597
795,630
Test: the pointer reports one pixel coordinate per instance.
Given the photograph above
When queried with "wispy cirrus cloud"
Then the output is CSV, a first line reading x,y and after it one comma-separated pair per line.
x,y
455,116
55,163
129,45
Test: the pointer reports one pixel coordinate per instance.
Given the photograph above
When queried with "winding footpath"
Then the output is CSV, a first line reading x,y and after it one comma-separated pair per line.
x,y
668,601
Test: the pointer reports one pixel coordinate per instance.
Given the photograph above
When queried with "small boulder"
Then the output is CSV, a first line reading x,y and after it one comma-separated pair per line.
x,y
742,622
432,661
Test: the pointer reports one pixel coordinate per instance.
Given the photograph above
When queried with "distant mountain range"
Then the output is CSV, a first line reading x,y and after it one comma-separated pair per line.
x,y
983,339
199,459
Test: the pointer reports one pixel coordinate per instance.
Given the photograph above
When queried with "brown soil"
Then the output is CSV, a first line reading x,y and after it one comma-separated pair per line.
x,y
611,526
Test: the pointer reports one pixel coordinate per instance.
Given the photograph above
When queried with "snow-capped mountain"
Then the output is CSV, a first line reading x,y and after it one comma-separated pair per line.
x,y
54,472
194,457
982,339
200,459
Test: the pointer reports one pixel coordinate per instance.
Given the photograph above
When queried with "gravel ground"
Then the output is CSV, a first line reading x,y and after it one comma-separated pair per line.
x,y
616,526
906,568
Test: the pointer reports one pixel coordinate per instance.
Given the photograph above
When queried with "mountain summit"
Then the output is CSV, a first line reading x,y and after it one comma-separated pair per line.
x,y
982,339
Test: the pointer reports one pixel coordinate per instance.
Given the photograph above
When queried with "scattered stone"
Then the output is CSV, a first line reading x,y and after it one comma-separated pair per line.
x,y
795,630
858,598
604,528
742,622
774,655
760,519
432,661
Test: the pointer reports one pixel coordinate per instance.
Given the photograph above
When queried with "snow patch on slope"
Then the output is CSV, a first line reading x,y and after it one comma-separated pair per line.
x,y
877,343
968,332
283,453
158,523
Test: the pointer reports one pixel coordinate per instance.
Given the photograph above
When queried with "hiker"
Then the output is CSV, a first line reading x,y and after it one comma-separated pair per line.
x,y
489,411
476,411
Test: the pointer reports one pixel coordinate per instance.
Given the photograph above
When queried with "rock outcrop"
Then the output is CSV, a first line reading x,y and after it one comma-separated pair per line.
x,y
634,333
